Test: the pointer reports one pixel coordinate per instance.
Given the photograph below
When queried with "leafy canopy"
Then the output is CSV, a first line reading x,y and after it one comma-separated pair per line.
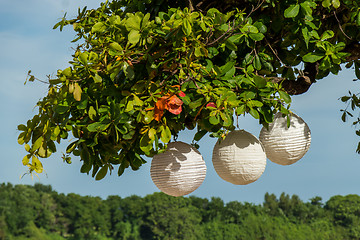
x,y
144,70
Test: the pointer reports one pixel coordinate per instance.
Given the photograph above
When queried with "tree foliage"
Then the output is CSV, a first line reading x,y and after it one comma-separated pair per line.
x,y
144,70
38,212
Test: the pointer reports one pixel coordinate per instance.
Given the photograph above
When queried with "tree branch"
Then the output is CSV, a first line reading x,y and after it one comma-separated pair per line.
x,y
354,49
302,83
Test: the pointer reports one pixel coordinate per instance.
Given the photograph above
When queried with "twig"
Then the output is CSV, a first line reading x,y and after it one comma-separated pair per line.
x,y
231,30
274,52
223,35
254,9
341,29
191,7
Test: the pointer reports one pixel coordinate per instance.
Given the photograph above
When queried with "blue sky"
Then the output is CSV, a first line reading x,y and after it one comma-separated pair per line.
x,y
27,42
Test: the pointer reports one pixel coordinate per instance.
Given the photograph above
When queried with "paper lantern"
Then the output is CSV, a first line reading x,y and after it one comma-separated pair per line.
x,y
239,158
179,170
285,145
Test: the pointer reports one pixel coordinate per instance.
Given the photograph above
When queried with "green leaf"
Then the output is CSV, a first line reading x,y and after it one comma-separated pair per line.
x,y
267,113
292,11
71,147
67,72
248,58
336,3
98,27
326,3
326,35
37,143
145,20
134,22
85,168
343,117
312,57
37,165
254,113
165,135
22,127
358,19
197,103
97,127
129,106
137,101
255,103
123,165
250,29
288,121
227,119
305,33
146,144
306,8
260,82
256,36
345,98
102,173
285,96
25,160
97,78
257,63
83,58
240,110
61,109
129,72
357,71
199,135
27,147
152,134
186,27
116,47
230,45
77,92
134,37
261,27
214,120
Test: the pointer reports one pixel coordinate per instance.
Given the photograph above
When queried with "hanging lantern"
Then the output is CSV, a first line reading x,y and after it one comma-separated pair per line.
x,y
285,145
239,158
178,171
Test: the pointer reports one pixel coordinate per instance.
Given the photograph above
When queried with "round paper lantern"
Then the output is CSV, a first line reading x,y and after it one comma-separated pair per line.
x,y
285,145
239,158
178,171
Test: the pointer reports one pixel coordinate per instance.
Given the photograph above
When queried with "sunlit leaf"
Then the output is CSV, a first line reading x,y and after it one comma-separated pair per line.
x,y
77,92
292,11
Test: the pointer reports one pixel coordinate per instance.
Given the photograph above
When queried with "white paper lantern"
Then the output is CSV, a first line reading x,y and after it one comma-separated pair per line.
x,y
239,158
285,145
178,171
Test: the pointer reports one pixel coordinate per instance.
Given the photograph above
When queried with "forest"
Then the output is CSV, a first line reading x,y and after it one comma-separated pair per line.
x,y
39,212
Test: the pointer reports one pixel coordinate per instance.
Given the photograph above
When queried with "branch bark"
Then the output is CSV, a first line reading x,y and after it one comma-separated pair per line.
x,y
354,49
302,83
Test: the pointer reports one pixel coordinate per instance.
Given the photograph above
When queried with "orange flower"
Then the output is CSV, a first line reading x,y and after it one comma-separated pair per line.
x,y
173,104
160,106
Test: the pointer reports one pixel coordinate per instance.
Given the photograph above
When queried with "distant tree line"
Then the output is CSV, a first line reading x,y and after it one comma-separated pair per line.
x,y
38,212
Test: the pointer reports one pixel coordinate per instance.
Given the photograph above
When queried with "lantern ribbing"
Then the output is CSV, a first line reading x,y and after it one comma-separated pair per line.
x,y
239,158
285,145
178,171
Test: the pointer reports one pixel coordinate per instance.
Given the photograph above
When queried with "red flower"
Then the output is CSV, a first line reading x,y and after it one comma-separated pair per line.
x,y
182,94
211,104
